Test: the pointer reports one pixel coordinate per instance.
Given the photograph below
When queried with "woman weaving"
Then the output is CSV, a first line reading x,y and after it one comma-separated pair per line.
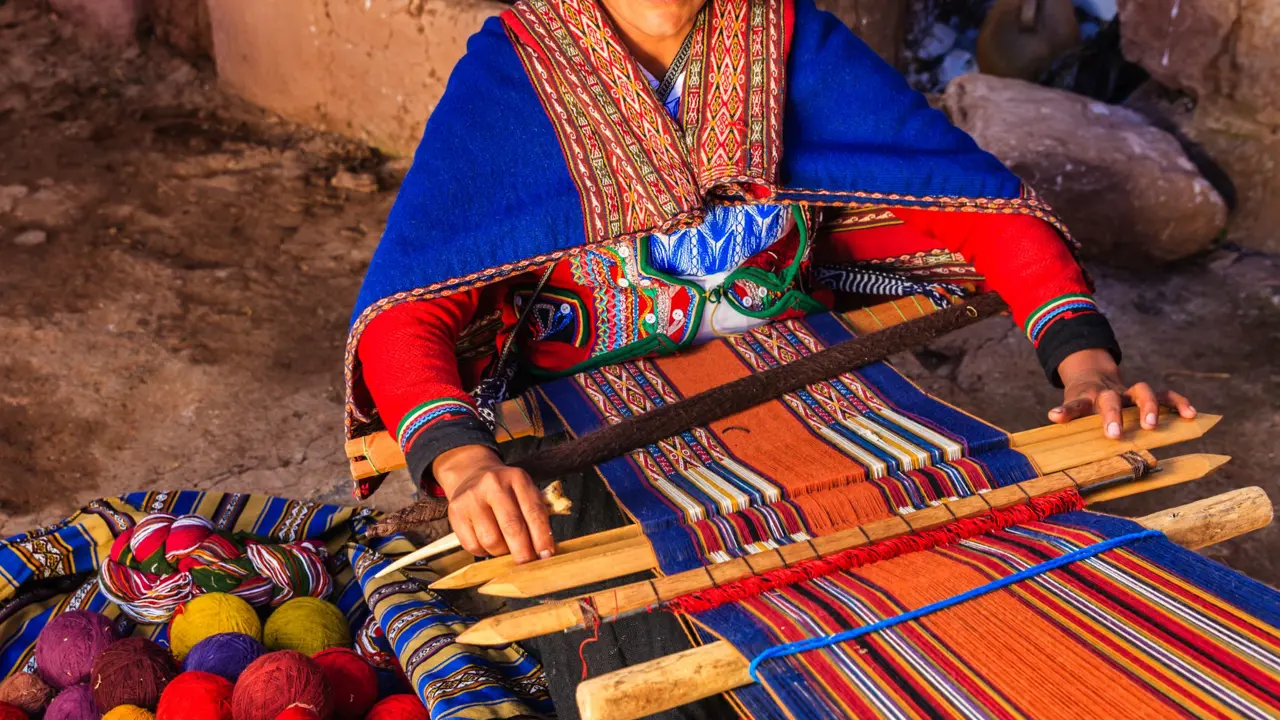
x,y
607,181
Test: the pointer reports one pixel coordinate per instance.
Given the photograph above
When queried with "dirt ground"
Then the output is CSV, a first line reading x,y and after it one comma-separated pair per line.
x,y
181,323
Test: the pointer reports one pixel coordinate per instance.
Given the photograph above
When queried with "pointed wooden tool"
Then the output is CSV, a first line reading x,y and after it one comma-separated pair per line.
x,y
1050,454
669,682
636,597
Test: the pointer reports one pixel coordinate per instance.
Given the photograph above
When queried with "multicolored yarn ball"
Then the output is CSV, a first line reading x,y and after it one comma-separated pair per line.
x,y
68,645
133,671
26,691
196,696
74,703
352,682
208,615
165,561
297,712
278,680
399,707
12,712
308,625
226,655
129,712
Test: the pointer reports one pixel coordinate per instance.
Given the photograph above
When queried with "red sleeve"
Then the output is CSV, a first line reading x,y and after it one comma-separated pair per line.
x,y
409,360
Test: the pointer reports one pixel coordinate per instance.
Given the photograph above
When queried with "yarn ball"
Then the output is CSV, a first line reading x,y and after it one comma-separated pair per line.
x,y
69,644
298,712
208,615
399,707
129,712
74,703
307,625
11,712
353,683
196,696
134,671
277,680
26,691
227,655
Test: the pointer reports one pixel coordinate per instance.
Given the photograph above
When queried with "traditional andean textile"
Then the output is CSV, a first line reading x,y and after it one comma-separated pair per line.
x,y
53,570
1146,629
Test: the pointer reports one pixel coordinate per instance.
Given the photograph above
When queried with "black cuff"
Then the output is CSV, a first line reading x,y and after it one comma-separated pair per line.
x,y
1073,334
441,438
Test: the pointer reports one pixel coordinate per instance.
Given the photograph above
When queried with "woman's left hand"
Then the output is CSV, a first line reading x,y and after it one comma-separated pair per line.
x,y
1091,384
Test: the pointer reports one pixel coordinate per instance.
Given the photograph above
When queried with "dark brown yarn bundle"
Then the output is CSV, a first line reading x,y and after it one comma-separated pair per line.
x,y
734,397
133,671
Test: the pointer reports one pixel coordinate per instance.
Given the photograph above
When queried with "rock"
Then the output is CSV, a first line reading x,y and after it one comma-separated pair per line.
x,y
1125,188
184,25
372,69
1007,48
356,182
10,195
880,23
938,42
114,20
48,206
30,238
1235,151
1223,48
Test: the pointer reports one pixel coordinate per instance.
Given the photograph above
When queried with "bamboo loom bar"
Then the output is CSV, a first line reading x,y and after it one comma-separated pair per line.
x,y
618,602
717,668
635,555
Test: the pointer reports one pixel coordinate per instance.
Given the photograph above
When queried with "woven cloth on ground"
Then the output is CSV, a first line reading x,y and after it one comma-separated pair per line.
x,y
1142,630
52,570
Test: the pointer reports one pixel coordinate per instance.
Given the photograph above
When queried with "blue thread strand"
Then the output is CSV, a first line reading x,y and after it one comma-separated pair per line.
x,y
820,642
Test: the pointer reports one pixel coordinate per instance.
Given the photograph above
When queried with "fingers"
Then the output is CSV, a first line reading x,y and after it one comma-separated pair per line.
x,y
1073,409
1148,406
1108,405
1179,403
535,515
510,519
488,531
461,524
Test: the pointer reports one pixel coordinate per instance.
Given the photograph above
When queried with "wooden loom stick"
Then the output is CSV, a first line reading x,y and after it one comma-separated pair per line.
x,y
1049,456
552,495
717,668
481,572
379,453
621,601
1086,429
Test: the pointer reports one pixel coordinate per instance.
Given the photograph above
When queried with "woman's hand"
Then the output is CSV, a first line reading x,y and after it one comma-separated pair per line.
x,y
493,508
1091,384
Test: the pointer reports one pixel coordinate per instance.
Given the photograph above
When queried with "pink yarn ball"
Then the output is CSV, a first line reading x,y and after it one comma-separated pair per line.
x,y
74,703
69,645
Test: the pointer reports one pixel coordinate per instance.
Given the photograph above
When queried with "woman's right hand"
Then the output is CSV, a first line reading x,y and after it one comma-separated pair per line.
x,y
493,508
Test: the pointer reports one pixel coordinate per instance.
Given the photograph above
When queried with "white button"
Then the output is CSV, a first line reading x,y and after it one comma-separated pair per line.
x,y
651,318
623,282
624,251
645,282
747,302
677,315
564,308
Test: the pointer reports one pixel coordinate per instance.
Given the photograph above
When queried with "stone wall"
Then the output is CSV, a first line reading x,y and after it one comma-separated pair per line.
x,y
370,69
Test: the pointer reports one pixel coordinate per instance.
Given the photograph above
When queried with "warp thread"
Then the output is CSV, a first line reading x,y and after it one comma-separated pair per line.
x,y
591,616
164,561
1038,508
742,394
1077,555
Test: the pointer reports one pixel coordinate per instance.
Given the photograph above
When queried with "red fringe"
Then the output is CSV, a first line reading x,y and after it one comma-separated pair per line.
x,y
1037,509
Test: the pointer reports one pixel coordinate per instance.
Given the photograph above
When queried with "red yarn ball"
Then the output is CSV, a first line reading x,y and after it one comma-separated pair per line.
x,y
351,680
11,712
297,712
195,695
399,707
275,681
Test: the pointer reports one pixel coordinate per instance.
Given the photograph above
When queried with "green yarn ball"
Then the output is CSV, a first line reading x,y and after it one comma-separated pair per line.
x,y
208,615
307,625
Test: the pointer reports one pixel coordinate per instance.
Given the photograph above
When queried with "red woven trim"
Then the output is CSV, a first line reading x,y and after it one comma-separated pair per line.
x,y
1038,509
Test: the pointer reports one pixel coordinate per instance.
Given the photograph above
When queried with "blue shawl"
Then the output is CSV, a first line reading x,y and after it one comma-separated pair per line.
x,y
538,149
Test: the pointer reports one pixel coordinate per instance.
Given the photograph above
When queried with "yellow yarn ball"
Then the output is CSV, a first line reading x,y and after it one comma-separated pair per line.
x,y
211,614
308,625
128,712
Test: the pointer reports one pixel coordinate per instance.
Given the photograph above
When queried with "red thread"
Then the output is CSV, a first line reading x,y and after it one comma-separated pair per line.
x,y
592,618
1037,509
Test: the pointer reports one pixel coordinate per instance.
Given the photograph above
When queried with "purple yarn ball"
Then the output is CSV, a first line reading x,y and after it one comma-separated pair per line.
x,y
69,644
226,654
74,703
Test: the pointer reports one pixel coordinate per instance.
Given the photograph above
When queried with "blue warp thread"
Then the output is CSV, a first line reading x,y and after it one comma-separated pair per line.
x,y
1084,553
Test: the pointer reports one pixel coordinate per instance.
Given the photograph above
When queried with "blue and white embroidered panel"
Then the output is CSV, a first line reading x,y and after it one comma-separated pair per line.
x,y
728,236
